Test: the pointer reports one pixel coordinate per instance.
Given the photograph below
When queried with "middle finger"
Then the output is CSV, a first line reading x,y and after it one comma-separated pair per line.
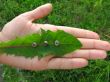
x,y
94,44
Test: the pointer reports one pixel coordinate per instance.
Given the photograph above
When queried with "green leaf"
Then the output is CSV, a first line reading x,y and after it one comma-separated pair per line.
x,y
46,43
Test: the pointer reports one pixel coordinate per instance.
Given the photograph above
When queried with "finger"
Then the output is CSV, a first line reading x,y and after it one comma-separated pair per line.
x,y
39,12
88,54
25,63
95,44
80,33
67,63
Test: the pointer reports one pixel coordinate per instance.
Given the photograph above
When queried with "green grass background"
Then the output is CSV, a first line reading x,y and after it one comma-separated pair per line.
x,y
88,14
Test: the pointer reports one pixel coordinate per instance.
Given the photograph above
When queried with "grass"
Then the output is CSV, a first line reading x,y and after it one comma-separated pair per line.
x,y
88,14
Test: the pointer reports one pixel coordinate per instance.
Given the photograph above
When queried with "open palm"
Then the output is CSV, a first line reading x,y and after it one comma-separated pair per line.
x,y
93,48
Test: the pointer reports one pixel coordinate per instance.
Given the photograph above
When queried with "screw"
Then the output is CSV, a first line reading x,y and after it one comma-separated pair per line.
x,y
34,44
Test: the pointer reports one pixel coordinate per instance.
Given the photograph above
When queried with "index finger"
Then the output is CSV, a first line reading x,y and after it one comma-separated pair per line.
x,y
79,33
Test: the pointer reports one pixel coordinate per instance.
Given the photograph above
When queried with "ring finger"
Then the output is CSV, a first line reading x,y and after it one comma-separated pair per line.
x,y
88,54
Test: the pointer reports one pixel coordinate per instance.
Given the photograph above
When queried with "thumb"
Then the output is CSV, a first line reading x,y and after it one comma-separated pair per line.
x,y
39,12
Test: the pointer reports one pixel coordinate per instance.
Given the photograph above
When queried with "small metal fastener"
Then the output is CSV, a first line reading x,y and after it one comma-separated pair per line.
x,y
57,43
34,44
45,43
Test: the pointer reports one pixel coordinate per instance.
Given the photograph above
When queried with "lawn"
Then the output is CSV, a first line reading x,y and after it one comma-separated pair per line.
x,y
88,14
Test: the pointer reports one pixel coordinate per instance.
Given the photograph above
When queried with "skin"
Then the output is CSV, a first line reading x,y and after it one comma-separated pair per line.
x,y
93,47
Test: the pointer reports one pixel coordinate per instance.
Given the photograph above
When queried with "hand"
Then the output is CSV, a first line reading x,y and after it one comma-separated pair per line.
x,y
93,48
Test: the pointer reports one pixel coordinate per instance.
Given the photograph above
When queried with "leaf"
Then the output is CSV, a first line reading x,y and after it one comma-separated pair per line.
x,y
46,43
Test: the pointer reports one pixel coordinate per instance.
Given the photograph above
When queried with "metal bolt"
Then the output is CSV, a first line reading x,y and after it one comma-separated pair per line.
x,y
57,43
45,43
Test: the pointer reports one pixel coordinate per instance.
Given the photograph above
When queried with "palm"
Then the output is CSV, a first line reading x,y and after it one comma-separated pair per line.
x,y
93,48
17,27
